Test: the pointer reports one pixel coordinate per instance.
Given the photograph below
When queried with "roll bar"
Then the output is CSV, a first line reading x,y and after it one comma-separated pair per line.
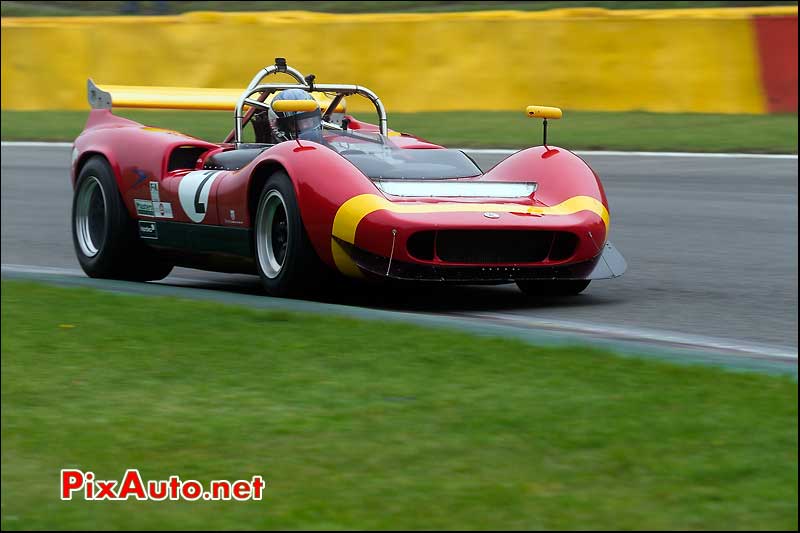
x,y
305,83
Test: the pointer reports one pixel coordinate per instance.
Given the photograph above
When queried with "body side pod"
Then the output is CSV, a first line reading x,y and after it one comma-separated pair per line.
x,y
137,154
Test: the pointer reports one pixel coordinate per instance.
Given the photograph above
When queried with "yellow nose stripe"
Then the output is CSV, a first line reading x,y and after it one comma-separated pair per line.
x,y
353,211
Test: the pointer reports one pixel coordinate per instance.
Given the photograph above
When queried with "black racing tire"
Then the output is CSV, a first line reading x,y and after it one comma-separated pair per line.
x,y
104,235
285,257
552,288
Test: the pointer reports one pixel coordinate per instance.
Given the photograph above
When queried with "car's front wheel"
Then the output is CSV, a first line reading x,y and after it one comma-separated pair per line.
x,y
104,235
287,262
552,288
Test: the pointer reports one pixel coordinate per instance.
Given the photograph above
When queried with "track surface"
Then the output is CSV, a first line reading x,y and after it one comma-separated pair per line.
x,y
711,245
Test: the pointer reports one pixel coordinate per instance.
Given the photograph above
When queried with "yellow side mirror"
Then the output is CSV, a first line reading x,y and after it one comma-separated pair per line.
x,y
286,106
539,111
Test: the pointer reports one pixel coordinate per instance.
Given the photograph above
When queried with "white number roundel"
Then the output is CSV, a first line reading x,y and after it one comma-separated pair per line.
x,y
193,192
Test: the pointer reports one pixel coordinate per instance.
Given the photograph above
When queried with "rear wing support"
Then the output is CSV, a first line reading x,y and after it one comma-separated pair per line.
x,y
98,98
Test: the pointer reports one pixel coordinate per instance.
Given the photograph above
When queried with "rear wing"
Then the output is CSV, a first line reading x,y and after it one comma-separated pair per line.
x,y
255,96
133,96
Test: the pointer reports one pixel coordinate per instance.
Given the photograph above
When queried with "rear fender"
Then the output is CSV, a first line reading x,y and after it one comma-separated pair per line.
x,y
79,159
93,141
137,154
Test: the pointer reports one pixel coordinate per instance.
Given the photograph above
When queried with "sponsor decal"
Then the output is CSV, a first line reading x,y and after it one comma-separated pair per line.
x,y
147,229
193,192
154,191
144,208
142,177
162,209
233,220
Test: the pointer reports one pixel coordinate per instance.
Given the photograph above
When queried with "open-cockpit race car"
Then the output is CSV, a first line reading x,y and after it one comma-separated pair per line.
x,y
320,192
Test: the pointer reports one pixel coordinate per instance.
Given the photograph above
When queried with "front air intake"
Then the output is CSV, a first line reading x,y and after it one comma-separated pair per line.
x,y
480,247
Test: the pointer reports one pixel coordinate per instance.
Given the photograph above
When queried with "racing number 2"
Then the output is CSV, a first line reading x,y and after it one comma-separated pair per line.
x,y
199,206
193,192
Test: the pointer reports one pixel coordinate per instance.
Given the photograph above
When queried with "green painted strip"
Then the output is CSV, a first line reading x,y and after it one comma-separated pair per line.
x,y
203,238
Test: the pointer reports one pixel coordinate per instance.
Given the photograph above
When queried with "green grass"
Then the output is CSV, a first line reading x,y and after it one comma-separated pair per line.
x,y
50,8
578,129
360,424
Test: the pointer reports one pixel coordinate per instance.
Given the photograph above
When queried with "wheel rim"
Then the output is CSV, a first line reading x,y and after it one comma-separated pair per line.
x,y
272,233
90,216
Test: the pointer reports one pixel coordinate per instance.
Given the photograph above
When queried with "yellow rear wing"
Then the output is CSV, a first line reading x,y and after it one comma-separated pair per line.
x,y
131,96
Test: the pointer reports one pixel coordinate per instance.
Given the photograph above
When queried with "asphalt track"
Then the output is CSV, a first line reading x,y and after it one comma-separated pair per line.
x,y
711,244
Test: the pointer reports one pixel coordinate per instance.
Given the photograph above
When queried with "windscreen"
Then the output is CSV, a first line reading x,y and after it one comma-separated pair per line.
x,y
378,158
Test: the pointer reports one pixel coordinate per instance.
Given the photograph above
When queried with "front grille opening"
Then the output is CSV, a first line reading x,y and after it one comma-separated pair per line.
x,y
564,245
420,245
490,246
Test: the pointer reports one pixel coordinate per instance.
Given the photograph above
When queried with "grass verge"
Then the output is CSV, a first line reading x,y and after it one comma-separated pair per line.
x,y
366,425
578,130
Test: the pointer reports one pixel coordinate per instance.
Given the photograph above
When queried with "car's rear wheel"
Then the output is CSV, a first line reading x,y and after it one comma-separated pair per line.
x,y
287,262
90,216
104,235
552,288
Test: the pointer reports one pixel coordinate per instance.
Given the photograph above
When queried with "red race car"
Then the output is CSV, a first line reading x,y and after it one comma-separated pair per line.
x,y
320,192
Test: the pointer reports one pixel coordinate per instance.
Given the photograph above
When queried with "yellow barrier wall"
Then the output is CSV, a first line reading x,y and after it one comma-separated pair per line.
x,y
697,60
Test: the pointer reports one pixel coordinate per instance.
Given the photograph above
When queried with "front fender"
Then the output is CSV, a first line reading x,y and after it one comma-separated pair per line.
x,y
560,174
322,179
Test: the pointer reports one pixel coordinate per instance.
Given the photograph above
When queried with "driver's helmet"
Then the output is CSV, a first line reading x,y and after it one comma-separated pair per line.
x,y
294,124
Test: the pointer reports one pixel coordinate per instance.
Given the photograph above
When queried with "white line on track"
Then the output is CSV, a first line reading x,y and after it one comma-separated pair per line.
x,y
611,153
29,269
608,332
503,151
34,144
642,335
73,272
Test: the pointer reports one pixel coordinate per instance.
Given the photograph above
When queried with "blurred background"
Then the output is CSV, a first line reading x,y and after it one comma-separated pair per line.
x,y
631,70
